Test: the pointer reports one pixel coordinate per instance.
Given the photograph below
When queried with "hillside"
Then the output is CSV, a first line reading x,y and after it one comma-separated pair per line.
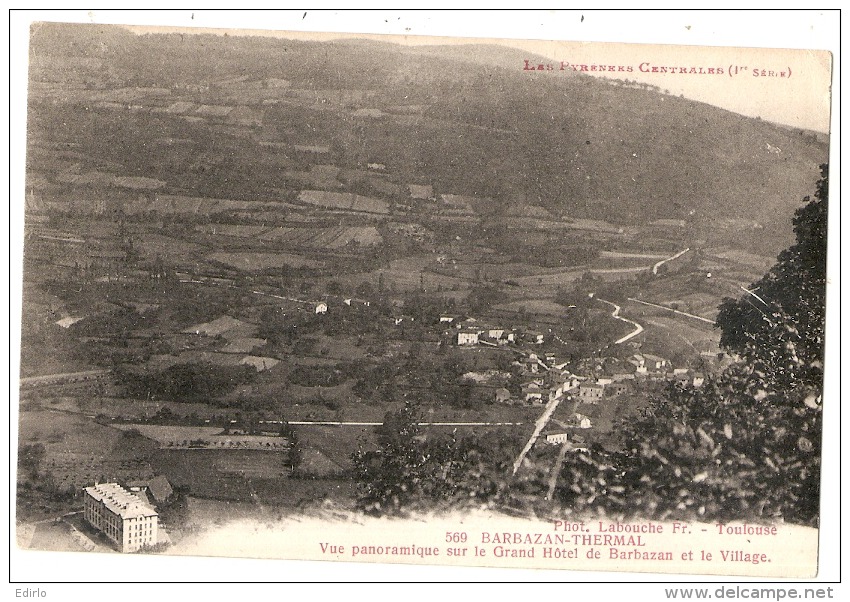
x,y
578,146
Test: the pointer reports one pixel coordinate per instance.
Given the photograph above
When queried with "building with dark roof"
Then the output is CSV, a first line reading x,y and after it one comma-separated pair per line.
x,y
157,489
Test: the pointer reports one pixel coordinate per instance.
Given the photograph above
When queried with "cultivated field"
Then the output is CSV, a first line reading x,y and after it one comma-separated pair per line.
x,y
343,200
324,238
197,437
534,306
248,262
79,452
171,204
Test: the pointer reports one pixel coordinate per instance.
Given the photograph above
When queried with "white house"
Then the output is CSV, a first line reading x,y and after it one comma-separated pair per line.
x,y
581,421
532,392
556,437
321,307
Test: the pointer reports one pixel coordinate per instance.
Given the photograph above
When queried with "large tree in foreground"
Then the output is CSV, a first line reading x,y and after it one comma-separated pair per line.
x,y
747,444
417,469
778,327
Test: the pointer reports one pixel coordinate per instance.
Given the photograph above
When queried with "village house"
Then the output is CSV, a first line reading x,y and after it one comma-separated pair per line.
x,y
156,490
571,384
467,337
559,383
639,363
686,377
581,421
321,308
531,364
533,337
554,377
591,392
533,392
495,333
555,437
654,363
354,302
680,379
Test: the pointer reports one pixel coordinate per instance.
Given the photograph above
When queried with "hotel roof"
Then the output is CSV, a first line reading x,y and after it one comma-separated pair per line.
x,y
120,501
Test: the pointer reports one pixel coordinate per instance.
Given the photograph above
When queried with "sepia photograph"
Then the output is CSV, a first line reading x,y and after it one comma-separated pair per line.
x,y
407,299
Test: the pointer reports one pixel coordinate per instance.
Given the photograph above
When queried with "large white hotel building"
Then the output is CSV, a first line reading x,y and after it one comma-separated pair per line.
x,y
125,519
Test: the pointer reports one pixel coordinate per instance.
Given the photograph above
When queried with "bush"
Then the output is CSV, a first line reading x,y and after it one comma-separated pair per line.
x,y
716,453
317,376
411,471
185,382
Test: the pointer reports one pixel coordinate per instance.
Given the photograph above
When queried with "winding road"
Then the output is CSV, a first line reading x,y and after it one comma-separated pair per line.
x,y
663,261
616,314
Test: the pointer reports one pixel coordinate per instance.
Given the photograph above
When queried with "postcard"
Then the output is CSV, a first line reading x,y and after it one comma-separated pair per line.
x,y
418,300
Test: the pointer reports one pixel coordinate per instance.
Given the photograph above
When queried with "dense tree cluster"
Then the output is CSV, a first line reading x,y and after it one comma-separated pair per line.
x,y
718,453
747,444
412,471
185,382
778,328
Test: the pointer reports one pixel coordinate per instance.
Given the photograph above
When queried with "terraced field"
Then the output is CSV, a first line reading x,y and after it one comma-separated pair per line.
x,y
312,238
343,200
325,238
168,203
248,261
